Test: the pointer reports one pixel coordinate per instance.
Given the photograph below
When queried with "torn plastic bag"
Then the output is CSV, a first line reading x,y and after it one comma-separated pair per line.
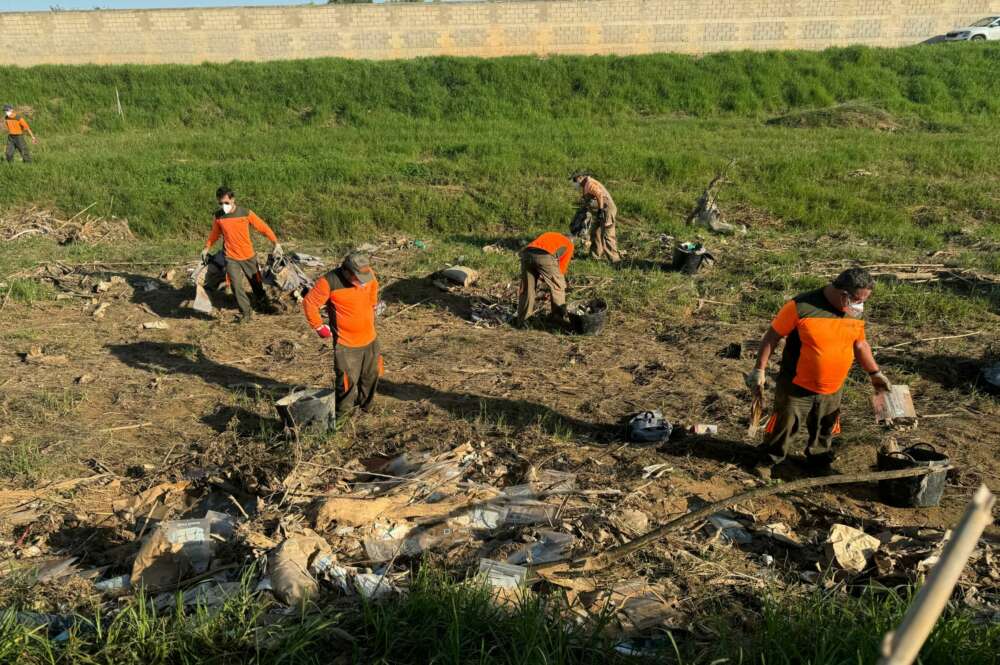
x,y
648,427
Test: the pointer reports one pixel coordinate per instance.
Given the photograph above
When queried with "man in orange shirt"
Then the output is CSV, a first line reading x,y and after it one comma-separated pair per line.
x,y
826,334
603,236
16,127
232,224
545,259
350,295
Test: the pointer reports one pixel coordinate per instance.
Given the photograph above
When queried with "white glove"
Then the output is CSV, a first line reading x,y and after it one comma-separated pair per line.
x,y
755,378
880,382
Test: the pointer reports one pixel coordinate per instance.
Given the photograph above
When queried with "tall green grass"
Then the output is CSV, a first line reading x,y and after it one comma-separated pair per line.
x,y
932,81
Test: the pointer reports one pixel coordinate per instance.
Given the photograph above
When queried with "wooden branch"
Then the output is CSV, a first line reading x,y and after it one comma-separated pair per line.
x,y
604,559
929,339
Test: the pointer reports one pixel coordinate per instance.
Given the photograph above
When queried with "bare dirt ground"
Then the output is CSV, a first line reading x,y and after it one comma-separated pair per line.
x,y
110,409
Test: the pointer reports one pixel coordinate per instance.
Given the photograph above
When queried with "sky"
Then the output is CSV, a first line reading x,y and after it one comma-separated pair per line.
x,y
45,5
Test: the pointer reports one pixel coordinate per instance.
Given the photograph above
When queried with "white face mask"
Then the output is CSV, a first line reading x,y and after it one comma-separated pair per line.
x,y
10,114
227,207
856,309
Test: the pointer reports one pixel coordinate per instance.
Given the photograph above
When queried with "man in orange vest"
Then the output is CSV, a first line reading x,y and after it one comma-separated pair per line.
x,y
545,259
232,223
350,295
16,127
603,234
825,334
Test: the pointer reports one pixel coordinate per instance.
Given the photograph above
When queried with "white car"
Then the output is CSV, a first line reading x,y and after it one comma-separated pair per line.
x,y
986,28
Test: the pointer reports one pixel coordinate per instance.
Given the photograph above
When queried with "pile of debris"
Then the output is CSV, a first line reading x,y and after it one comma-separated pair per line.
x,y
81,227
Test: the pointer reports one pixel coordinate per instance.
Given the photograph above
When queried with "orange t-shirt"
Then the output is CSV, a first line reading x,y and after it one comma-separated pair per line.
x,y
595,191
557,245
234,228
16,125
819,350
351,308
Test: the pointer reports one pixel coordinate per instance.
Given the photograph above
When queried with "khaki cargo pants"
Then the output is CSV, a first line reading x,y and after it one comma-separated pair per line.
x,y
18,143
603,237
239,272
794,406
538,265
356,372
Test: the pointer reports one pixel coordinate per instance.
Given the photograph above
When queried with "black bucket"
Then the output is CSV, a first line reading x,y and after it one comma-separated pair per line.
x,y
689,257
588,318
313,408
918,491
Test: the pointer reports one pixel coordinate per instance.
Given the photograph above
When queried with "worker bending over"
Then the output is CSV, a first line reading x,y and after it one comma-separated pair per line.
x,y
232,223
350,295
16,127
826,333
545,259
603,236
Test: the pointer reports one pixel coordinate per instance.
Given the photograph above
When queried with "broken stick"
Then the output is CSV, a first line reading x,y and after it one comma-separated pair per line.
x,y
606,558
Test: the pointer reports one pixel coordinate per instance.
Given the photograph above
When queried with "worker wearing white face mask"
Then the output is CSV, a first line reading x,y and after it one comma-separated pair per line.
x,y
232,223
603,234
826,334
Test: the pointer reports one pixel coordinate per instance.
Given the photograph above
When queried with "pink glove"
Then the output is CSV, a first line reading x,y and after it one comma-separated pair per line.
x,y
324,331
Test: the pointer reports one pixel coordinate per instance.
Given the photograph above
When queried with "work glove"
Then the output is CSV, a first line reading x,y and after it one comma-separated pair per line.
x,y
880,382
204,257
755,379
324,331
276,251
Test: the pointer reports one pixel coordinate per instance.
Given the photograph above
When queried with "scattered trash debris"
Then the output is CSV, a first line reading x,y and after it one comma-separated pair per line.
x,y
989,377
633,522
655,470
491,314
502,575
115,585
648,427
286,274
706,212
289,566
850,548
894,407
701,429
174,551
79,228
729,529
550,546
779,532
460,275
155,325
493,249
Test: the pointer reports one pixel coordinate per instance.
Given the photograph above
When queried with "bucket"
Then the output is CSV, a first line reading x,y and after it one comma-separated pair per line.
x,y
314,408
919,491
689,256
588,318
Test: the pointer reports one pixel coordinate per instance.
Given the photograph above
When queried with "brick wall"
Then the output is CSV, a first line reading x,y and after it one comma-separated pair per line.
x,y
472,29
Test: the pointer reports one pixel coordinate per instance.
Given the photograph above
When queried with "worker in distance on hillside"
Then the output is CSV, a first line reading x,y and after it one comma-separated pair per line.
x,y
603,235
350,295
232,223
16,127
825,333
546,260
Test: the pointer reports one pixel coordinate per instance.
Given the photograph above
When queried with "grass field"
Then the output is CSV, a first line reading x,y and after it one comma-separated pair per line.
x,y
847,156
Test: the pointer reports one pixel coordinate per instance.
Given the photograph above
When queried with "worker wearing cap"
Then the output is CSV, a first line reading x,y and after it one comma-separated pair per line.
x,y
16,127
233,223
603,236
350,295
545,259
825,334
